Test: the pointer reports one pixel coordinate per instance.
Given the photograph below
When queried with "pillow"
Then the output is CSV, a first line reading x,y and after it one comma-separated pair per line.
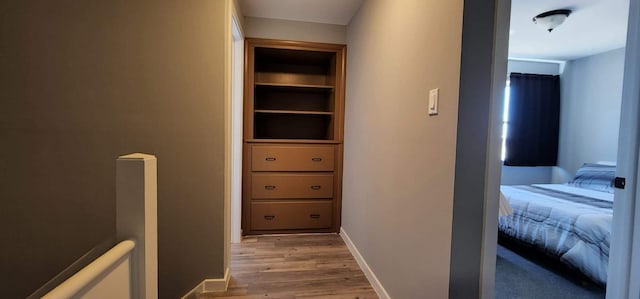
x,y
595,177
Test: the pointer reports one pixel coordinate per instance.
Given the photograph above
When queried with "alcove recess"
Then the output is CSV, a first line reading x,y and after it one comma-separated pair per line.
x,y
294,94
293,135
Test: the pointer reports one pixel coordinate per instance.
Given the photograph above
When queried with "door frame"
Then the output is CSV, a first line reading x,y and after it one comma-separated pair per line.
x,y
494,161
237,65
232,175
624,254
483,76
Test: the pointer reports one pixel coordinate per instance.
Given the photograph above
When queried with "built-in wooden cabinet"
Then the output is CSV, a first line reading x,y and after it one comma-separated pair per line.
x,y
293,136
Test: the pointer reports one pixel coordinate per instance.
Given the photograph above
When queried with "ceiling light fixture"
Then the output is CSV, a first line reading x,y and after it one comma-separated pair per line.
x,y
551,19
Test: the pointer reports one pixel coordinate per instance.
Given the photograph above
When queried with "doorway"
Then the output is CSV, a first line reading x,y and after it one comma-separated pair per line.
x,y
237,66
623,278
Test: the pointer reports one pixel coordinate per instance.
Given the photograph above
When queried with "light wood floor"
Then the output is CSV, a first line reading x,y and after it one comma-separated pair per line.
x,y
294,266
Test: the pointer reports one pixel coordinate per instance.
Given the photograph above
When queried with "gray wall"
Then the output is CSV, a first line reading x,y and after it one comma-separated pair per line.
x,y
295,30
399,163
477,166
83,82
519,175
590,111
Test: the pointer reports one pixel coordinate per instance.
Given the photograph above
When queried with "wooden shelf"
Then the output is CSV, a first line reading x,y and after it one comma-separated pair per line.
x,y
302,112
293,126
314,86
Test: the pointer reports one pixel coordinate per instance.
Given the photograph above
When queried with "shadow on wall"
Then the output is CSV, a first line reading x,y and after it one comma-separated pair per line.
x,y
560,175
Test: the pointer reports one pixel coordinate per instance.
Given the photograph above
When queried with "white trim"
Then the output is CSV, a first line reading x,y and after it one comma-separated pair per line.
x,y
237,61
210,285
373,279
622,280
218,284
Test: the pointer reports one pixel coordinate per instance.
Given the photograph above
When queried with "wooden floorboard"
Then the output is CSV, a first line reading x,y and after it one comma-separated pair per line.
x,y
294,266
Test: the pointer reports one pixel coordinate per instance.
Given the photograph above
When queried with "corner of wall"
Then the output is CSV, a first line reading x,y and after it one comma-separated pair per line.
x,y
238,14
210,286
559,175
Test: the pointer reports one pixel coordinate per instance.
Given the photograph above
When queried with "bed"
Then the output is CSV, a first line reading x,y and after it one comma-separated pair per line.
x,y
569,221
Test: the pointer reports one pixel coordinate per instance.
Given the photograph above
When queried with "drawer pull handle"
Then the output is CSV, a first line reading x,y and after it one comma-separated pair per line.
x,y
270,159
315,216
316,187
269,187
269,217
316,159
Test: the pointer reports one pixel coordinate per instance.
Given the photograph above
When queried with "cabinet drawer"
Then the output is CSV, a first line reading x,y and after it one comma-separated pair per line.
x,y
291,185
290,215
291,158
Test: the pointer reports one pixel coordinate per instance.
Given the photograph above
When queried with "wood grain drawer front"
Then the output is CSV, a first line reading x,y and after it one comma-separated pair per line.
x,y
291,186
292,158
290,215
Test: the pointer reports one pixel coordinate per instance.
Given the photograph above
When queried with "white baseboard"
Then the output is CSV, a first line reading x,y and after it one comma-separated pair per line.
x,y
373,279
210,285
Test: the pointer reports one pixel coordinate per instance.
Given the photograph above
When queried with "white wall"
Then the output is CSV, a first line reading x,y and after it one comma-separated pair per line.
x,y
399,163
533,67
295,30
526,175
520,175
590,112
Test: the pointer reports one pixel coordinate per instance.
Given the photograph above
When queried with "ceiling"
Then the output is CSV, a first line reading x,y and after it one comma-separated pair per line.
x,y
595,26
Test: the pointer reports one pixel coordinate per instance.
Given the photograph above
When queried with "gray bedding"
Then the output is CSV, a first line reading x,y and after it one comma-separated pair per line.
x,y
573,224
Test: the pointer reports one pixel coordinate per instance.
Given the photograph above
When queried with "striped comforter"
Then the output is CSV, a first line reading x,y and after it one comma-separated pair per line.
x,y
571,223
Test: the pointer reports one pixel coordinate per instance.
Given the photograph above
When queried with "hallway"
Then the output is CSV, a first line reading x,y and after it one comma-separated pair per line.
x,y
294,266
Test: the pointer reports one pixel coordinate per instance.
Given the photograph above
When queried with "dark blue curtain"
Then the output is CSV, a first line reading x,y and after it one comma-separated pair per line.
x,y
534,120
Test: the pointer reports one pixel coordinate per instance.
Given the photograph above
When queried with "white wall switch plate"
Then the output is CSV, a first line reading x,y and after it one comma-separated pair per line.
x,y
433,101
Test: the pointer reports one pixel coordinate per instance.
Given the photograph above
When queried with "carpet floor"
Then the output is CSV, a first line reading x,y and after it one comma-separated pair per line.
x,y
529,277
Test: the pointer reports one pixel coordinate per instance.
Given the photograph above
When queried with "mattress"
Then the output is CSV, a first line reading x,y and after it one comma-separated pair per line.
x,y
571,223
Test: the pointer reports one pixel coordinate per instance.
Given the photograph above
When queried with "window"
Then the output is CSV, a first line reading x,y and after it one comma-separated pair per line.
x,y
505,122
531,120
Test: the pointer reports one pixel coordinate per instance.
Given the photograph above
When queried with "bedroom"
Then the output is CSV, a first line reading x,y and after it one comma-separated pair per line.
x,y
585,56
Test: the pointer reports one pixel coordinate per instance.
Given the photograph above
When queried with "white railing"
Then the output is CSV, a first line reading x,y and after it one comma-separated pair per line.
x,y
129,269
106,277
